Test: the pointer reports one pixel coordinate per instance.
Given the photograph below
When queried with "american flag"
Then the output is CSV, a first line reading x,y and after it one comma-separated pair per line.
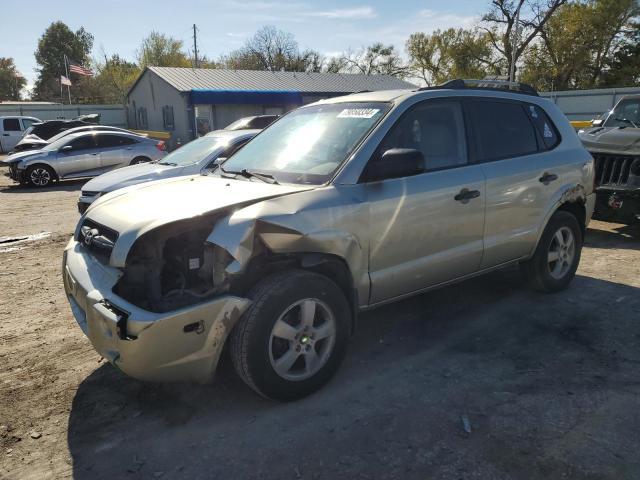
x,y
79,69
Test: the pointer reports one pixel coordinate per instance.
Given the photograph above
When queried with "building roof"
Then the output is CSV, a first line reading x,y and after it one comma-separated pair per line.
x,y
189,79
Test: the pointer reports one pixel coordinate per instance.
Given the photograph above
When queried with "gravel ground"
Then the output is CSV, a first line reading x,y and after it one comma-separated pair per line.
x,y
482,380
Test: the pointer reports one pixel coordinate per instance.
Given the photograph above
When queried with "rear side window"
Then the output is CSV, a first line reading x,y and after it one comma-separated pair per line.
x,y
11,125
106,141
501,130
546,129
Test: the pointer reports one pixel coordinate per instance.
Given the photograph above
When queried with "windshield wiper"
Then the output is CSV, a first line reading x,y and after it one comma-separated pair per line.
x,y
626,120
168,163
265,177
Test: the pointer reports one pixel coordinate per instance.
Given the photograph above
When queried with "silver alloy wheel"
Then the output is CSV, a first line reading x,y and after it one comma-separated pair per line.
x,y
302,339
562,251
40,176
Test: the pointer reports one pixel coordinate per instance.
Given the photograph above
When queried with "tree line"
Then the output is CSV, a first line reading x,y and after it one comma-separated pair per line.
x,y
551,44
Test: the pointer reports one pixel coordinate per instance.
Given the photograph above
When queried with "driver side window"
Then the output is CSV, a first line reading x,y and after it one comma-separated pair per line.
x,y
434,129
83,143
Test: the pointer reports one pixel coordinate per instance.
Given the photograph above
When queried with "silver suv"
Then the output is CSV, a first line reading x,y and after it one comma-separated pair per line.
x,y
339,206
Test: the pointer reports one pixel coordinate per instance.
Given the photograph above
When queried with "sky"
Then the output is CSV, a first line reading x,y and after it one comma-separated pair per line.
x,y
330,26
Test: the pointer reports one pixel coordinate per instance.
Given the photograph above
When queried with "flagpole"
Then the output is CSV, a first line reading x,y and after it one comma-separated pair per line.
x,y
66,71
61,99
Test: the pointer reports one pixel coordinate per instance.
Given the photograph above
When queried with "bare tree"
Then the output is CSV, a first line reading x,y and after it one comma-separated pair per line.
x,y
375,59
500,25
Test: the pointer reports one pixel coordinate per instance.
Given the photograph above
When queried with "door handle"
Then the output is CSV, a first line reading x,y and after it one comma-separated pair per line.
x,y
5,134
547,177
465,195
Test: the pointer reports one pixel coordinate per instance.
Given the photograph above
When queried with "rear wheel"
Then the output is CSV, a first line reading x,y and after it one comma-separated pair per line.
x,y
40,175
557,256
293,337
138,160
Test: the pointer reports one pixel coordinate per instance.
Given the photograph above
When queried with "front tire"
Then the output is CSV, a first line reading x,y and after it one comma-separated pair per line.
x,y
293,337
40,176
557,256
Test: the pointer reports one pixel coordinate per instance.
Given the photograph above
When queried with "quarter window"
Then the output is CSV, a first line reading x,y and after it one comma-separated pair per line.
x,y
546,129
502,130
436,129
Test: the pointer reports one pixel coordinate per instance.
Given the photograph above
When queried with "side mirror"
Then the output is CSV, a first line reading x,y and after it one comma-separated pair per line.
x,y
215,163
66,149
397,163
596,122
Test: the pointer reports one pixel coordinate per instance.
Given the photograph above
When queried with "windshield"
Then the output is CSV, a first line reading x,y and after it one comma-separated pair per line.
x,y
239,124
196,151
308,144
625,114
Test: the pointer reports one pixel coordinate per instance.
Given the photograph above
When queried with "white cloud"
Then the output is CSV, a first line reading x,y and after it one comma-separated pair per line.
x,y
359,13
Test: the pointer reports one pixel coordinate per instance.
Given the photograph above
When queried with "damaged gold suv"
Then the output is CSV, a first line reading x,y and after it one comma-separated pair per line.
x,y
339,206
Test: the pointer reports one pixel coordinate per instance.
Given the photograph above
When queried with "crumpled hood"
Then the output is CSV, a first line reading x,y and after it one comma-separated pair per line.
x,y
33,140
18,156
124,177
612,139
135,210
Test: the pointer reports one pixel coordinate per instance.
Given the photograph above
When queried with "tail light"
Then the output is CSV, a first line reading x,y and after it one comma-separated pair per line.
x,y
161,146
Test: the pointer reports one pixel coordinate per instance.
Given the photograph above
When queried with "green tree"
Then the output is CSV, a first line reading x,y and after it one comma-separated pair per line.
x,y
452,53
579,45
110,84
11,82
624,68
57,41
500,25
160,50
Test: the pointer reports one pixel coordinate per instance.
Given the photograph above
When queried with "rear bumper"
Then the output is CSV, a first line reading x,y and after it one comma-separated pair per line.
x,y
174,346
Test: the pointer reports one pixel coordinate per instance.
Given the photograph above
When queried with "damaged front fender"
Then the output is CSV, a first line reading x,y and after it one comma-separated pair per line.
x,y
330,220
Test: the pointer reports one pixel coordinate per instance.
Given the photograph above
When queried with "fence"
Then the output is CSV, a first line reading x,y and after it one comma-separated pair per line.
x,y
114,115
588,104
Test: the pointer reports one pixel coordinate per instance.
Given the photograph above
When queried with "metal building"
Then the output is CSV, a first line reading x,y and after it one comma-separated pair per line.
x,y
188,102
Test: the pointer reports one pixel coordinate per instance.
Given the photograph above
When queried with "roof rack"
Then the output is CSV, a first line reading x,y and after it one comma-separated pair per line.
x,y
486,84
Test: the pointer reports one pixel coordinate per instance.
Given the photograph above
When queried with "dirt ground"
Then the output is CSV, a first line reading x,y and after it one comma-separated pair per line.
x,y
484,380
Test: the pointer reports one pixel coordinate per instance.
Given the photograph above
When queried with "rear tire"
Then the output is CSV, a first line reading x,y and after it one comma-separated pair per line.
x,y
138,160
293,337
40,176
557,256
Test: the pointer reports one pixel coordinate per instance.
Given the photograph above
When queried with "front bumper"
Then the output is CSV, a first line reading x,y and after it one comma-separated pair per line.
x,y
618,205
87,199
174,346
15,174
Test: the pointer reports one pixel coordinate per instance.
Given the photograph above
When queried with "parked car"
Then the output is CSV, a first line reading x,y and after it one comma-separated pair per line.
x,y
615,145
198,156
257,122
79,155
33,142
339,206
11,130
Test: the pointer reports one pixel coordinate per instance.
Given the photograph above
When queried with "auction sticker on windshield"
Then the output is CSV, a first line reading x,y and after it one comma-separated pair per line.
x,y
358,112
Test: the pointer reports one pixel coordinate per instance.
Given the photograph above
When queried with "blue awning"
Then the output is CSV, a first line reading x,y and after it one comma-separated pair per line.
x,y
261,97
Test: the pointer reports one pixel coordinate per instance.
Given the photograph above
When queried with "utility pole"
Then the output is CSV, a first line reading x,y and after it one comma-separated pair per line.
x,y
195,45
514,45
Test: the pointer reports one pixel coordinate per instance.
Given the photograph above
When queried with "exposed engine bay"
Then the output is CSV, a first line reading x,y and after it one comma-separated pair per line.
x,y
173,266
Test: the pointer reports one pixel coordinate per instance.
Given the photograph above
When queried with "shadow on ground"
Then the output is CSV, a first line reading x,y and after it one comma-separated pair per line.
x,y
59,186
548,384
